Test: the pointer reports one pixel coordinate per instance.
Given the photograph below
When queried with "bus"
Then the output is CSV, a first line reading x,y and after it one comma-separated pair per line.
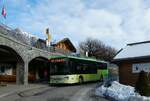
x,y
72,69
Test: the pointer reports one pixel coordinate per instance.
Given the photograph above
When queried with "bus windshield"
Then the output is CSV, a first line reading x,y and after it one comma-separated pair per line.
x,y
59,68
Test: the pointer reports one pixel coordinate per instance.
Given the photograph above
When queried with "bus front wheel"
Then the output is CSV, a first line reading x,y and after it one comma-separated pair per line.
x,y
81,80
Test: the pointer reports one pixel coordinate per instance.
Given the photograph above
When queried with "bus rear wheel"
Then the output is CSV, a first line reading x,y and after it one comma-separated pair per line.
x,y
101,78
81,80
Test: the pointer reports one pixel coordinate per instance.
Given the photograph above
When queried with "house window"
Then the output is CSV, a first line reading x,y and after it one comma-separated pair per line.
x,y
6,69
137,68
2,70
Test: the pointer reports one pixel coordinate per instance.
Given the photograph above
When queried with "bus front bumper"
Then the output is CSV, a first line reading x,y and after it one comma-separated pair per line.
x,y
63,80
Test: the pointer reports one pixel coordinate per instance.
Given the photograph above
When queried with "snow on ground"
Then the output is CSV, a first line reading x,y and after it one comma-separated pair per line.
x,y
120,92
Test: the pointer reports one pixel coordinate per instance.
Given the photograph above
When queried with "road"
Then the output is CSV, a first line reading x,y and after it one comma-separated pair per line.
x,y
83,92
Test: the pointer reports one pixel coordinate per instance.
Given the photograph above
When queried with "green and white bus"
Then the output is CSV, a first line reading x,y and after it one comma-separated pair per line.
x,y
71,69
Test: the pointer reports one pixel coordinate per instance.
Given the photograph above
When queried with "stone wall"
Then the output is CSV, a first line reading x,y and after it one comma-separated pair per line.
x,y
25,54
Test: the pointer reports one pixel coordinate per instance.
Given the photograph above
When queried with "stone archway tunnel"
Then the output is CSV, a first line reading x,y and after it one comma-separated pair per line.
x,y
39,70
11,65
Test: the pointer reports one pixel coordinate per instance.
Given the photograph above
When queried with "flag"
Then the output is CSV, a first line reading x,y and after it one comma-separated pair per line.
x,y
4,12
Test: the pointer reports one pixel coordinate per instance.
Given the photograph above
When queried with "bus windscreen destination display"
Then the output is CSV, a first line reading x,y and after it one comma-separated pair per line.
x,y
56,60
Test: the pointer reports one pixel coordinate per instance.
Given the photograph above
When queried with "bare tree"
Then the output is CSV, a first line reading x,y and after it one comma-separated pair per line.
x,y
97,49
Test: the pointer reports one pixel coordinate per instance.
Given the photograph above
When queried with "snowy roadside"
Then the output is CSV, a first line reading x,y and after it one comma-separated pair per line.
x,y
87,94
119,92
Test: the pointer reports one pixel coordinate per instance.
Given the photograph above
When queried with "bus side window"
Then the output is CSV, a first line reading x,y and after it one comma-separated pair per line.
x,y
93,68
74,67
79,68
103,66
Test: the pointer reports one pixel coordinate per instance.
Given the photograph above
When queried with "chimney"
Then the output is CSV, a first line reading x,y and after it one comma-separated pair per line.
x,y
86,53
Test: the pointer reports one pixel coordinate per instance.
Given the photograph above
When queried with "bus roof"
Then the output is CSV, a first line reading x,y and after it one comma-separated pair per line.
x,y
77,58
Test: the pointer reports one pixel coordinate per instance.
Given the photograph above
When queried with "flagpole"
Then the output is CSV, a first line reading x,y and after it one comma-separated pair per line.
x,y
5,21
4,14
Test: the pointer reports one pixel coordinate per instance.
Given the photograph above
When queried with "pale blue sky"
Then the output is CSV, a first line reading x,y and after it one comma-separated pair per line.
x,y
115,22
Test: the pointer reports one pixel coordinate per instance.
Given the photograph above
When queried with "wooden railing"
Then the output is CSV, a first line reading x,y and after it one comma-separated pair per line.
x,y
7,78
12,78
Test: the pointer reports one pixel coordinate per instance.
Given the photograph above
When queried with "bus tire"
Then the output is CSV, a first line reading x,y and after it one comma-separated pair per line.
x,y
81,80
101,78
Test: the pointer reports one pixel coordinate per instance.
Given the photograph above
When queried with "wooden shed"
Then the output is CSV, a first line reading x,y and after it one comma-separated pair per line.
x,y
132,59
66,45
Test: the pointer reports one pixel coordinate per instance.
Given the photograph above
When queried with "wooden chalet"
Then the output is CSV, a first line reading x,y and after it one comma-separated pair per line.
x,y
66,45
132,59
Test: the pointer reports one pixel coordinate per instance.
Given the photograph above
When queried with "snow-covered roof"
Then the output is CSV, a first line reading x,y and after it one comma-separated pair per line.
x,y
134,50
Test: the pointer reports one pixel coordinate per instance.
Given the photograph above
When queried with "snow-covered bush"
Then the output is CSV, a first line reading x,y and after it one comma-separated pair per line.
x,y
119,92
138,98
101,91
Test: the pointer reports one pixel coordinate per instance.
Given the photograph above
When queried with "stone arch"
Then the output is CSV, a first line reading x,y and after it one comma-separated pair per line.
x,y
15,45
13,59
38,69
35,55
13,51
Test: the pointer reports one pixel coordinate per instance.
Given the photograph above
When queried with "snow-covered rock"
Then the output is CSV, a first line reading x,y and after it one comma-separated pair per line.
x,y
100,91
120,92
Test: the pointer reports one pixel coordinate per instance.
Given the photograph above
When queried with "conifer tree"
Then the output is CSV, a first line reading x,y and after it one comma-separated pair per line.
x,y
142,85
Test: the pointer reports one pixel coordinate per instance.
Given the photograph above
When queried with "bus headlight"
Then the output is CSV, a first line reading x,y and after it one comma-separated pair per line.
x,y
66,77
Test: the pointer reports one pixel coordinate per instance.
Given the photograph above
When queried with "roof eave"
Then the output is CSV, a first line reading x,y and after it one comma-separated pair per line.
x,y
130,58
